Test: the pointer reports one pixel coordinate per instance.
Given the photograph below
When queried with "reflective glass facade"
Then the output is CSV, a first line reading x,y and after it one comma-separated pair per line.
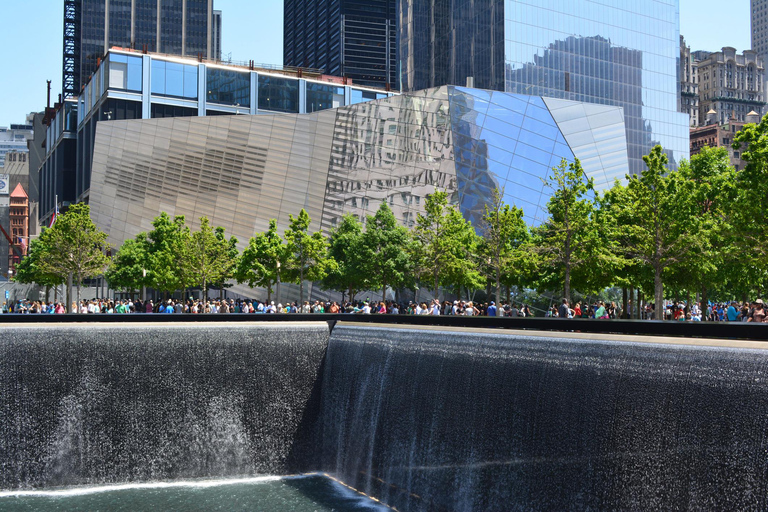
x,y
609,52
242,171
182,26
228,87
174,79
278,94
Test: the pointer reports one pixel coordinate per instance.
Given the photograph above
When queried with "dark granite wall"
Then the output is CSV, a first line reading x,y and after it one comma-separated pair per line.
x,y
436,420
89,404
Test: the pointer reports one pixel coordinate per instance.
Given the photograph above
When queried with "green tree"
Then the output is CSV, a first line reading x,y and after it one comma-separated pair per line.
x,y
568,240
346,248
168,267
444,241
709,191
76,248
749,217
386,261
31,268
654,215
128,267
261,261
229,260
505,234
462,271
211,255
306,254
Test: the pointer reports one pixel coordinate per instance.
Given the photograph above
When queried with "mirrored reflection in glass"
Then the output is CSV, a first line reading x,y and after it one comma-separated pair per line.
x,y
278,94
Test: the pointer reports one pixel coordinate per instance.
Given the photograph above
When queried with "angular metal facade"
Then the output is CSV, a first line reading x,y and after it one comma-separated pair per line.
x,y
242,171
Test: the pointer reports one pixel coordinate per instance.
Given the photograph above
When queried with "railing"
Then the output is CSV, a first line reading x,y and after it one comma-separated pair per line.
x,y
722,330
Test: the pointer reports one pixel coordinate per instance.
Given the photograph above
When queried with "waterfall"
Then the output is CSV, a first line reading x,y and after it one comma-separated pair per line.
x,y
86,404
442,420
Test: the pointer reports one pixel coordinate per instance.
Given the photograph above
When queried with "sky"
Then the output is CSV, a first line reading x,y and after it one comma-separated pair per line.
x,y
31,39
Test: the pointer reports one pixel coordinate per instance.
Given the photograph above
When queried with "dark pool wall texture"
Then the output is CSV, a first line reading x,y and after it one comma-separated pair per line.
x,y
92,405
424,419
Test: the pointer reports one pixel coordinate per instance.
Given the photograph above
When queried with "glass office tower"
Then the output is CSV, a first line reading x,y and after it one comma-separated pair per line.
x,y
610,52
352,38
91,27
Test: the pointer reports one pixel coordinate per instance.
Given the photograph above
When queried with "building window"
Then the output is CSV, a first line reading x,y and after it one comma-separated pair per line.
x,y
358,96
278,94
322,96
228,87
174,79
124,72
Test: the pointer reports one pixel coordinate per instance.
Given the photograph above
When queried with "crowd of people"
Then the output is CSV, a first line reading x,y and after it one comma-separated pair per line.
x,y
677,311
733,311
192,306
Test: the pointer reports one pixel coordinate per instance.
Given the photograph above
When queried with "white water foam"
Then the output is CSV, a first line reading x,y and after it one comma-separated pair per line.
x,y
80,491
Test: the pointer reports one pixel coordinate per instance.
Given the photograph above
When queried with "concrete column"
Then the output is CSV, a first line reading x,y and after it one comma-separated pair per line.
x,y
133,23
159,23
254,93
106,25
302,96
146,86
202,89
183,28
210,30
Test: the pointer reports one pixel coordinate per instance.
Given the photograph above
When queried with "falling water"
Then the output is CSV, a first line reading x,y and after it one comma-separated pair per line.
x,y
91,405
440,420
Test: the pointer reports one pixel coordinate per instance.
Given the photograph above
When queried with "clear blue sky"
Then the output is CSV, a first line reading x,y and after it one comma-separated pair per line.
x,y
31,39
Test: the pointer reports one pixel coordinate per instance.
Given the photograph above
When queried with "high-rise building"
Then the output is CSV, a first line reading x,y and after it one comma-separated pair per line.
x,y
689,84
609,52
14,139
356,39
731,85
759,21
91,27
216,35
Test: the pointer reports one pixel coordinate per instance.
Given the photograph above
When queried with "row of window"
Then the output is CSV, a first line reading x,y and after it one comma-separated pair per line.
x,y
227,86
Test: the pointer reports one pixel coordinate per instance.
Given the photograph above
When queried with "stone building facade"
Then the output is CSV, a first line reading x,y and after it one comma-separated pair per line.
x,y
689,84
732,85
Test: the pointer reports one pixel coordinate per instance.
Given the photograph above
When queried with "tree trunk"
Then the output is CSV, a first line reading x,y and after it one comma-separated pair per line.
x,y
269,291
47,293
221,291
384,293
658,289
509,296
498,287
704,304
69,292
205,288
567,287
301,287
435,276
625,312
79,280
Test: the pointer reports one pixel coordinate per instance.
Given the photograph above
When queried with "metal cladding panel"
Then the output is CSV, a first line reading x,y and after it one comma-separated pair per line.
x,y
234,170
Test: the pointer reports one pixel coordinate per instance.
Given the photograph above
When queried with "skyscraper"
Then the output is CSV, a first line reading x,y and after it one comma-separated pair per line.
x,y
352,38
609,52
91,27
759,21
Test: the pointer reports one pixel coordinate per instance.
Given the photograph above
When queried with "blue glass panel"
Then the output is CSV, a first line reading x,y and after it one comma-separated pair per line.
x,y
134,73
511,102
190,82
158,77
174,79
